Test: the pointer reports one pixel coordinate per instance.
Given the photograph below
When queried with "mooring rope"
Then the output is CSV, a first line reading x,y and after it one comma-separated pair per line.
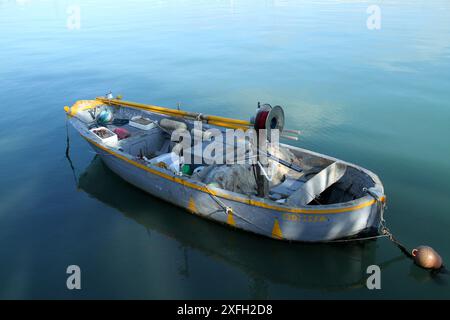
x,y
385,230
387,233
68,154
356,239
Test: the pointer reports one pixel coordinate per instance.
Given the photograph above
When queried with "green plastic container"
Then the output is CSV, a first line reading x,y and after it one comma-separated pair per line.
x,y
186,169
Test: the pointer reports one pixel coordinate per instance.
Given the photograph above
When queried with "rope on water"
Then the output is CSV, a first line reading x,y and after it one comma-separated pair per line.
x,y
387,233
378,236
384,229
68,154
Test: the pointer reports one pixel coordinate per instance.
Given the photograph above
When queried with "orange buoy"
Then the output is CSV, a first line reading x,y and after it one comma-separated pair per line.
x,y
426,257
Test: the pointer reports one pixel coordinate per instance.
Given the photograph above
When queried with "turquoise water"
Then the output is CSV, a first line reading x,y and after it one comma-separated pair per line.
x,y
378,98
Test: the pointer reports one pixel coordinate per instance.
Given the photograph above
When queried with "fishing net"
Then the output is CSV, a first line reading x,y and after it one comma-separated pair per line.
x,y
240,178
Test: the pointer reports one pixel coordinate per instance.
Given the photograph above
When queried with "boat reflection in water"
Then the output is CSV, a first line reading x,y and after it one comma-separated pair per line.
x,y
311,266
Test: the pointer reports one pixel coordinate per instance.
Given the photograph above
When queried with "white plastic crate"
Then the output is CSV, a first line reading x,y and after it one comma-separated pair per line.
x,y
107,136
141,123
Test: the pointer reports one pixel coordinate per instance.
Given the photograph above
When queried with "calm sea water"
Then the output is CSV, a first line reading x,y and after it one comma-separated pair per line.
x,y
378,98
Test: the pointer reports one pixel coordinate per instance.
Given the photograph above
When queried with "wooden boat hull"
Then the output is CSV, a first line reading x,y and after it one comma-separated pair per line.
x,y
263,216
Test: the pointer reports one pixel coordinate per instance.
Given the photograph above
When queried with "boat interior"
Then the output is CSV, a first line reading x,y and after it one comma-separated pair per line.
x,y
147,137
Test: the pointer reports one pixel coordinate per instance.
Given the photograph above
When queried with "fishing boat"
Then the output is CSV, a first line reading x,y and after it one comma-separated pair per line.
x,y
307,197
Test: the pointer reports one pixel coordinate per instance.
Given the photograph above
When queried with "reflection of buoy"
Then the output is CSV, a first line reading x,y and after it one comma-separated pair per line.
x,y
426,257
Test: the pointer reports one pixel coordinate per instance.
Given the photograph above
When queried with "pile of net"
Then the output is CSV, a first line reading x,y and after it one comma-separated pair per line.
x,y
240,178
